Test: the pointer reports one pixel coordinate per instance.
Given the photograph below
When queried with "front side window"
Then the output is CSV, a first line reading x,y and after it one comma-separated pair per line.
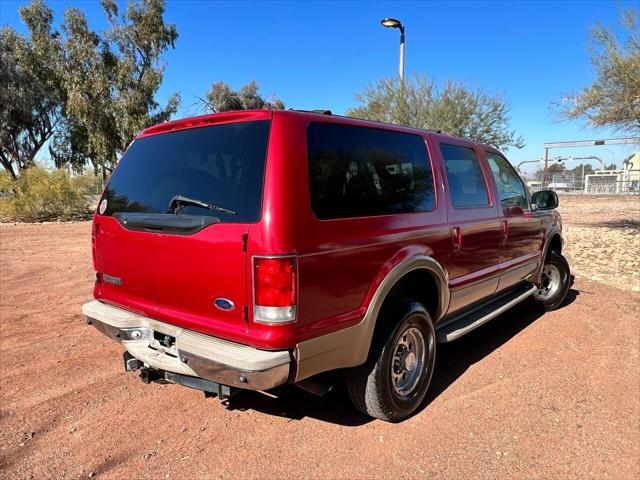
x,y
467,187
359,171
512,190
221,165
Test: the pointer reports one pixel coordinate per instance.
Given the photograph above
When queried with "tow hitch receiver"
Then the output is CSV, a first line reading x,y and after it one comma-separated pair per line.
x,y
131,363
150,375
223,392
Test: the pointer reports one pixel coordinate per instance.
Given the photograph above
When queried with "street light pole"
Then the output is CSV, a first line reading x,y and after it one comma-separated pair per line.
x,y
401,55
393,23
590,157
526,161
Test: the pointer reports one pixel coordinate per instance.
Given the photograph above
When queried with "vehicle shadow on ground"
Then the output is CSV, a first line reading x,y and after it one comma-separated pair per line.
x,y
624,223
296,404
455,358
452,361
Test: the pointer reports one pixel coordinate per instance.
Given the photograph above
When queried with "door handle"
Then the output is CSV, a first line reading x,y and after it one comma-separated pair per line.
x,y
504,227
456,238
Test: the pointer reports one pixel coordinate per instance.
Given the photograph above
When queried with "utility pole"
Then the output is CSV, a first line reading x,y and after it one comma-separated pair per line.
x,y
545,174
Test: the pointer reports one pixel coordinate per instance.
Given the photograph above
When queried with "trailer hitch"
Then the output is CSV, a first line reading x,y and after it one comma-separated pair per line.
x,y
150,375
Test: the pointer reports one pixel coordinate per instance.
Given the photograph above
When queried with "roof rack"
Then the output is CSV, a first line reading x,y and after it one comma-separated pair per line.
x,y
328,112
319,112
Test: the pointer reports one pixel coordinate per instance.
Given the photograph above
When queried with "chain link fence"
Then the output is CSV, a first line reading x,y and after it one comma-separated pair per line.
x,y
599,183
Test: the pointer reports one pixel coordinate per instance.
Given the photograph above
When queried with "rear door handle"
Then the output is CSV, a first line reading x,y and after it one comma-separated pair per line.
x,y
504,226
456,238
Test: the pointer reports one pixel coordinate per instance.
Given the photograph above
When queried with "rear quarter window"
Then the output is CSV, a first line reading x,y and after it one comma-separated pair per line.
x,y
222,165
359,172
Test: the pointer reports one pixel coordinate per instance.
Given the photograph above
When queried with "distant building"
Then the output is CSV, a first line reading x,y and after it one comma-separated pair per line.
x,y
534,185
560,186
626,180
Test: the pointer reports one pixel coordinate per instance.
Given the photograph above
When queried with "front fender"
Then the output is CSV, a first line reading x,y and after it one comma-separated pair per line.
x,y
553,230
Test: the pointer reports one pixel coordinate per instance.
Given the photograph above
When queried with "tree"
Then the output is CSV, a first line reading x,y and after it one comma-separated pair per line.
x,y
554,169
613,99
452,109
578,169
31,91
86,94
221,98
112,80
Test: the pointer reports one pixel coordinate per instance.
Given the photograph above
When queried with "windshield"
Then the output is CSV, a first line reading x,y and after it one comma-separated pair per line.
x,y
221,165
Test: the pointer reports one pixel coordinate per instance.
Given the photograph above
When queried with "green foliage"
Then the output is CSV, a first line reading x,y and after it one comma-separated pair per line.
x,y
89,93
112,79
613,99
576,172
6,183
221,98
452,109
38,195
31,93
554,168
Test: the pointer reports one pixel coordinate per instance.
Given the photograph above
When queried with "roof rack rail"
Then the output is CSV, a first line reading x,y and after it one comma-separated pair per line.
x,y
319,111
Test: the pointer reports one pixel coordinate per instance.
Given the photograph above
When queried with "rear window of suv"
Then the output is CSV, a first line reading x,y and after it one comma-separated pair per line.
x,y
221,165
359,171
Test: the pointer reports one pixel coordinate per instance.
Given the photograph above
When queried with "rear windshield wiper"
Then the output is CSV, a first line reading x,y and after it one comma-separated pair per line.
x,y
178,202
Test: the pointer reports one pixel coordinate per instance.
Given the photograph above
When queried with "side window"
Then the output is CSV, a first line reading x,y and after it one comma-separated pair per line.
x,y
464,177
512,190
358,171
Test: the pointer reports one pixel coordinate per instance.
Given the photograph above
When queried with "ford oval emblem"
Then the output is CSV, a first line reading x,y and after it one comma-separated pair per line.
x,y
224,304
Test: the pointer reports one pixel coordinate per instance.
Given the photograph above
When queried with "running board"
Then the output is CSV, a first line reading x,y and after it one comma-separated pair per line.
x,y
468,321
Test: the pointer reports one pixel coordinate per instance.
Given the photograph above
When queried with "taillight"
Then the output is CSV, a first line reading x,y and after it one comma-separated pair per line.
x,y
274,289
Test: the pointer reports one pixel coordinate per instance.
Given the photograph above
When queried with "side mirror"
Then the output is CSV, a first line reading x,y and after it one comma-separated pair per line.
x,y
545,200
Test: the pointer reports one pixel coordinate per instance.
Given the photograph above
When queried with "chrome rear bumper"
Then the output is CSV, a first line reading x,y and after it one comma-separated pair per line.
x,y
193,353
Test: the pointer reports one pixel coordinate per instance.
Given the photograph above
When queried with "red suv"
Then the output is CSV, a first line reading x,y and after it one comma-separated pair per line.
x,y
252,249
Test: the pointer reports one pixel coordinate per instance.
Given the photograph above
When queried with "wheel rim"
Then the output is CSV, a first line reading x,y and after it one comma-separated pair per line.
x,y
408,361
550,282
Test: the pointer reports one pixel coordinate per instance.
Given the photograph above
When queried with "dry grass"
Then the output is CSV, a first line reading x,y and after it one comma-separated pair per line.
x,y
602,238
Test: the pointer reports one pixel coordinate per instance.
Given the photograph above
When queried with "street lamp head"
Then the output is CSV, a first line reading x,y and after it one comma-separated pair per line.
x,y
391,23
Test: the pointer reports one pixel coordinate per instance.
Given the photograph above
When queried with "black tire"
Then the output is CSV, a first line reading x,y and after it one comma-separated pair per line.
x,y
372,386
546,298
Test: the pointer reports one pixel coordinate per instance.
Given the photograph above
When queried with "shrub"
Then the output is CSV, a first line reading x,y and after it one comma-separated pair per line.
x,y
7,210
39,195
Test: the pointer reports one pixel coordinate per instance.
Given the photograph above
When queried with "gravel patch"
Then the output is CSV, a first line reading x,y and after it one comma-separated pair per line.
x,y
602,239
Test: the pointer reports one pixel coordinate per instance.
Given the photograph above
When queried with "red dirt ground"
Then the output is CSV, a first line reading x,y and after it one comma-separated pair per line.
x,y
527,396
